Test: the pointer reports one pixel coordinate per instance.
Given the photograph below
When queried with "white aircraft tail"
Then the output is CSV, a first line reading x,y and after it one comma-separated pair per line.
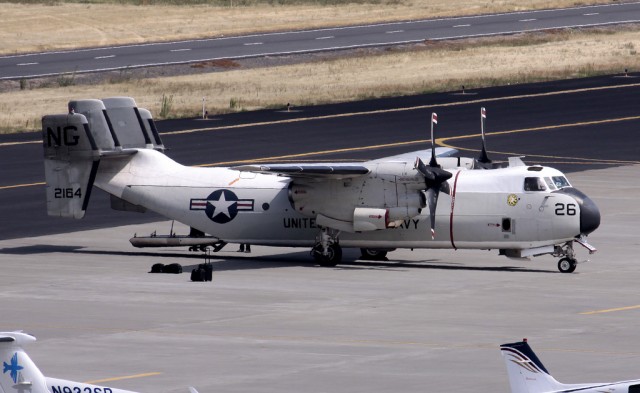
x,y
526,372
20,374
74,144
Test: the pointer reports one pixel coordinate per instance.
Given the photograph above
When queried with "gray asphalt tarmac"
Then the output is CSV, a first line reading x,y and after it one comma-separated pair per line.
x,y
256,45
425,321
271,321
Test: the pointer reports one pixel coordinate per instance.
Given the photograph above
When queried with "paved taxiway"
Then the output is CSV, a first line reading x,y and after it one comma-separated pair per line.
x,y
288,42
426,321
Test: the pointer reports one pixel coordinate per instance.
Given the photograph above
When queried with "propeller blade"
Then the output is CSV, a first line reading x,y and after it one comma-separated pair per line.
x,y
432,200
433,163
484,158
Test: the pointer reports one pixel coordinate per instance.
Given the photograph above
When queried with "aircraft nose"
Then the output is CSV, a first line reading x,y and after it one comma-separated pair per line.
x,y
589,212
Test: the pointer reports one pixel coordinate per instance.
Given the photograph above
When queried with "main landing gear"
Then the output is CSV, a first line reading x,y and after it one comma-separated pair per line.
x,y
568,262
327,251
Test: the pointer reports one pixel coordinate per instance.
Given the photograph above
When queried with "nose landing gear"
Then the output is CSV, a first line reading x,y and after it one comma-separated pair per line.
x,y
327,251
568,262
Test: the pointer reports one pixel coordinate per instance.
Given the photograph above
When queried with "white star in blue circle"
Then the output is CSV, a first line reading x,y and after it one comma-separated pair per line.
x,y
222,206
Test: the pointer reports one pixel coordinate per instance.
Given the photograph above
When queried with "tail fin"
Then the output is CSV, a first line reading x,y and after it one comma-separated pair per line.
x,y
526,372
19,373
75,142
71,159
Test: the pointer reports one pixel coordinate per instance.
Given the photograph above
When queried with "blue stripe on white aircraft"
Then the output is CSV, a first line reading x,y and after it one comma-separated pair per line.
x,y
379,205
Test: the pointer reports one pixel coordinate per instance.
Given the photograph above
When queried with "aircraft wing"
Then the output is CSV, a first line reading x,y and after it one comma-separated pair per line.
x,y
318,171
339,170
425,155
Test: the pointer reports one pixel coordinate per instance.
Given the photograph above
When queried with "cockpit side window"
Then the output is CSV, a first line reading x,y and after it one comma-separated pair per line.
x,y
550,183
561,181
534,184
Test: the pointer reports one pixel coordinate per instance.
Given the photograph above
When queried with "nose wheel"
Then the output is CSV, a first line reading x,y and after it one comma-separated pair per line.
x,y
568,262
567,265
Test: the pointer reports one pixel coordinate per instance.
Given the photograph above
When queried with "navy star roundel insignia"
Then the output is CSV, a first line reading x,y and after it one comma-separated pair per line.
x,y
222,206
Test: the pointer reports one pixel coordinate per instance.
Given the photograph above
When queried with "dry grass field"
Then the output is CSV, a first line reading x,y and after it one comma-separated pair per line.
x,y
428,67
39,26
35,25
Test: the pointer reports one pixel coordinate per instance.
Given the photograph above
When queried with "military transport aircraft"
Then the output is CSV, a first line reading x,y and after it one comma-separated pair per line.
x,y
528,375
20,374
378,205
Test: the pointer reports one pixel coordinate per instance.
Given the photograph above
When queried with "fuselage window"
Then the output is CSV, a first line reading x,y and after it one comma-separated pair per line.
x,y
561,181
534,184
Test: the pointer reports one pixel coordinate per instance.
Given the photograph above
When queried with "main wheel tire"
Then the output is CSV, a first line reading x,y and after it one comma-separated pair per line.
x,y
373,254
567,265
333,257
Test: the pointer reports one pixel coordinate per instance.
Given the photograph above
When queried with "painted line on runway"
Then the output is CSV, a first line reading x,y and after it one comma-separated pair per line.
x,y
394,31
180,50
591,14
325,38
442,141
461,25
526,20
22,185
124,377
610,310
252,43
313,153
104,57
439,141
393,110
374,112
26,64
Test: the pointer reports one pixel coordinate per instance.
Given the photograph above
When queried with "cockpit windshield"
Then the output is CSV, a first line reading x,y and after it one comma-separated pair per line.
x,y
534,184
561,181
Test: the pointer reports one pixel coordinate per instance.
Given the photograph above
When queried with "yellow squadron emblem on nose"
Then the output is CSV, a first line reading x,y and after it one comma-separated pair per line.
x,y
512,200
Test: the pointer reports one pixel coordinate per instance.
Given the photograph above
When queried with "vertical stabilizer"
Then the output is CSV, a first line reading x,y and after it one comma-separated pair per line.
x,y
71,159
19,373
526,372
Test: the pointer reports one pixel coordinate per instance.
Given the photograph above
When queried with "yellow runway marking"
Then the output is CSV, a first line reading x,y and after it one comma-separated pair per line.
x,y
121,378
313,153
365,113
411,108
22,185
439,141
610,310
19,143
443,141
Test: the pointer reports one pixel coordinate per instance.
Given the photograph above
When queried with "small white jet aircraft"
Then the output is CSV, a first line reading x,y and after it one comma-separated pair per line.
x,y
378,205
528,375
20,374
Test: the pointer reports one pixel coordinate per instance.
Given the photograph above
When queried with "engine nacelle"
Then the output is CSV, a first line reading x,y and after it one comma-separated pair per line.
x,y
373,219
370,219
